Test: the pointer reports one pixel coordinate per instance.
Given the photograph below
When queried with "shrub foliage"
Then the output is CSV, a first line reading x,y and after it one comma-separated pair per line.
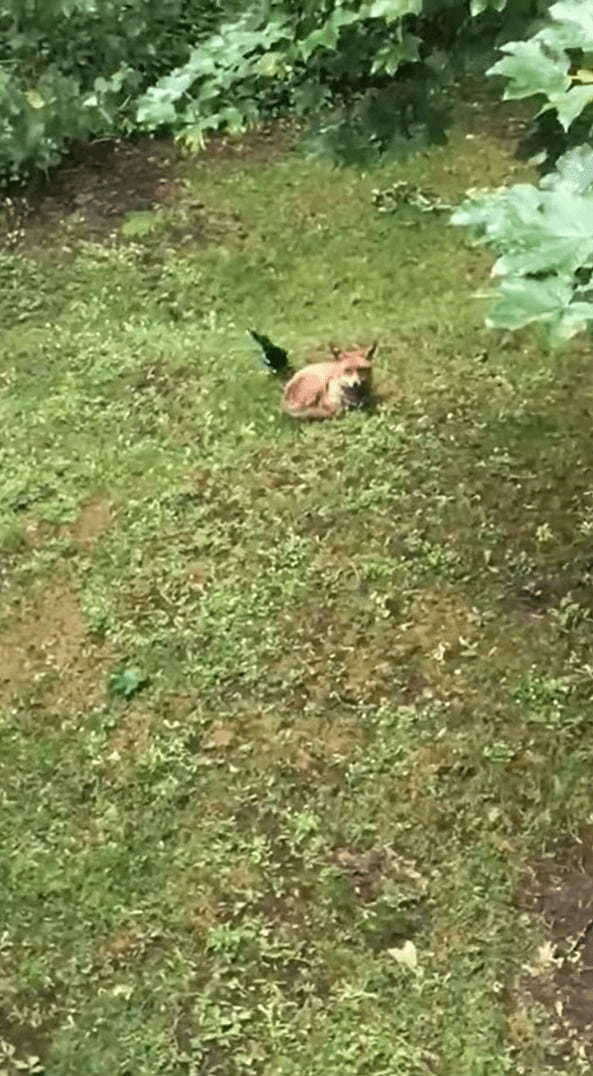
x,y
543,235
373,72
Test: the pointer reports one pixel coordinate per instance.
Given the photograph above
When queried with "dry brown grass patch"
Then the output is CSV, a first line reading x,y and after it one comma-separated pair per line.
x,y
45,648
93,520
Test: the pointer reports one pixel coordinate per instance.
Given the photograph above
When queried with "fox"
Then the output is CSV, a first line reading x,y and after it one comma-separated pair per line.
x,y
326,389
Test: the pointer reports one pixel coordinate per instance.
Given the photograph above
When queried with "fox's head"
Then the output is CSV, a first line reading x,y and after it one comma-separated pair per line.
x,y
355,366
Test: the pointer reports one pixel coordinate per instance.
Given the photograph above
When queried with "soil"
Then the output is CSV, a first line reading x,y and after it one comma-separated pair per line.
x,y
91,193
98,184
559,889
369,871
93,520
45,651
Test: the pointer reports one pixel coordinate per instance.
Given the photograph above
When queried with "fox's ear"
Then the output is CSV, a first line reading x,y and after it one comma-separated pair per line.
x,y
334,350
371,351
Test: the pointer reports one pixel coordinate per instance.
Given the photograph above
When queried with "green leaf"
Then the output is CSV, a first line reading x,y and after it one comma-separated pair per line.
x,y
577,19
496,215
390,10
532,69
326,36
35,99
127,681
559,239
525,301
393,53
271,64
310,97
570,105
157,107
478,6
549,229
574,171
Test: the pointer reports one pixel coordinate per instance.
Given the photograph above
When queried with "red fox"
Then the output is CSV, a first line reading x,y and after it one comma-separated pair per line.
x,y
326,389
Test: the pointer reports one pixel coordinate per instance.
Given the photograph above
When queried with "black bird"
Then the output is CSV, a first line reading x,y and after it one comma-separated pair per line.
x,y
275,358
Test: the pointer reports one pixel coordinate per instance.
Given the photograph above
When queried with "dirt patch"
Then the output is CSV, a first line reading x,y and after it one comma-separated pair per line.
x,y
156,378
416,655
337,658
45,651
268,141
534,596
559,889
20,1041
101,182
440,624
306,742
131,738
303,743
94,189
333,661
440,618
93,520
370,871
124,948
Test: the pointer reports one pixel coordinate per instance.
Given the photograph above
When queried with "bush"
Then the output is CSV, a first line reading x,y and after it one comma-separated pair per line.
x,y
543,235
73,69
372,71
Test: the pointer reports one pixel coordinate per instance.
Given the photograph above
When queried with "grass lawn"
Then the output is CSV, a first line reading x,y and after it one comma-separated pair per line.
x,y
296,751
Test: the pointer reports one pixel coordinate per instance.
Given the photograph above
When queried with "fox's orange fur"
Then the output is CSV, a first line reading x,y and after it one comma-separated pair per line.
x,y
326,389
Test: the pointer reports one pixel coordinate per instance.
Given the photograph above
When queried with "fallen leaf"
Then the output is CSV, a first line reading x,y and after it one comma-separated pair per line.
x,y
407,956
35,99
546,955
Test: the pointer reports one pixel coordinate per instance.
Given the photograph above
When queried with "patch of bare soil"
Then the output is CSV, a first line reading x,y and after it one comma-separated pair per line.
x,y
130,739
21,1040
263,144
483,111
370,871
333,657
45,651
418,652
93,520
559,889
533,596
99,183
88,196
306,742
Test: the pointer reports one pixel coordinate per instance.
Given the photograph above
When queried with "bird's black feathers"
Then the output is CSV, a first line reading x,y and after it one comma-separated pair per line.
x,y
275,358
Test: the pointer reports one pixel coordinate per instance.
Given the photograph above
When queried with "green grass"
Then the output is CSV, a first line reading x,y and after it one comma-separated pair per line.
x,y
359,636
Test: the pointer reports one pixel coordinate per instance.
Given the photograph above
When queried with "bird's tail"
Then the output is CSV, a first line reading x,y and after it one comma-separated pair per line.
x,y
274,358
